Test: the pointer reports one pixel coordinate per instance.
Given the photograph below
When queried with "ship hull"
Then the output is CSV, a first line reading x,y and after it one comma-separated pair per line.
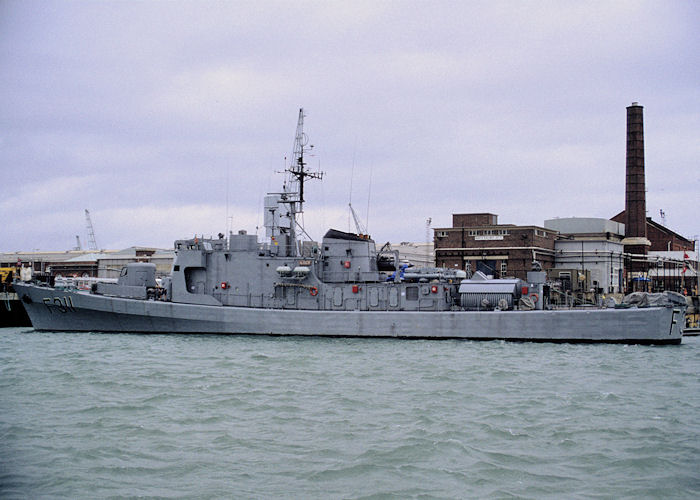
x,y
60,310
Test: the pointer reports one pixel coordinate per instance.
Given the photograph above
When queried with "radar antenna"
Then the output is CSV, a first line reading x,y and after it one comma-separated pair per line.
x,y
92,244
294,189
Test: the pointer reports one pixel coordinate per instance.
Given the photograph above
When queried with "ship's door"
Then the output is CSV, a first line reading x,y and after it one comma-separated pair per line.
x,y
291,297
195,279
373,297
393,298
337,298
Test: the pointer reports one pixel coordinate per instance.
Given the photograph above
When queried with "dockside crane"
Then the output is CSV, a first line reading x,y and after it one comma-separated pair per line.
x,y
361,229
92,244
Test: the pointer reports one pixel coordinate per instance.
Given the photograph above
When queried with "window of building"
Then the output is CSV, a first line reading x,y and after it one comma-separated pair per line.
x,y
441,234
504,268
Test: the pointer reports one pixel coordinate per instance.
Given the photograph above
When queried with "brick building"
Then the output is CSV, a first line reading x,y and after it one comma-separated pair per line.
x,y
662,239
476,242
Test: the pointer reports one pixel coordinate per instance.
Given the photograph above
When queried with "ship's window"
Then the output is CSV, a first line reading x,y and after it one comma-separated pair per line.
x,y
228,256
176,268
411,293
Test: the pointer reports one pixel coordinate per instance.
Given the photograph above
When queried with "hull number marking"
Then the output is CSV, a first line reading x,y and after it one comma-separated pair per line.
x,y
673,320
61,304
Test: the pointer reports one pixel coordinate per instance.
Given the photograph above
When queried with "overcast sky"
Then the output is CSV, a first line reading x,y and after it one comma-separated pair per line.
x,y
161,118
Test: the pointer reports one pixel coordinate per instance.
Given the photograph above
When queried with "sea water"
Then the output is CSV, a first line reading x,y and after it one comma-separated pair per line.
x,y
86,415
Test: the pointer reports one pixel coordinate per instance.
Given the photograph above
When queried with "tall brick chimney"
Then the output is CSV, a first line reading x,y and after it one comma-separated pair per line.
x,y
635,241
635,196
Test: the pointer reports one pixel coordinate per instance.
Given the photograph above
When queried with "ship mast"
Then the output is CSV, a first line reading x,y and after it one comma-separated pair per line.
x,y
294,187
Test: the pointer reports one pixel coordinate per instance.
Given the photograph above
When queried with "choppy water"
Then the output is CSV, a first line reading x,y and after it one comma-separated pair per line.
x,y
178,416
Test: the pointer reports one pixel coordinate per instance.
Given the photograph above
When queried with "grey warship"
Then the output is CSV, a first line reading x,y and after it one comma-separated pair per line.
x,y
344,287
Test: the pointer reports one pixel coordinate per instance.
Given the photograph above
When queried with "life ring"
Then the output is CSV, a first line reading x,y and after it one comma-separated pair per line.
x,y
534,297
313,291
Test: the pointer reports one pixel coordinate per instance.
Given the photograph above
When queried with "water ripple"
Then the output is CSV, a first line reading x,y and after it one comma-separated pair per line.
x,y
178,416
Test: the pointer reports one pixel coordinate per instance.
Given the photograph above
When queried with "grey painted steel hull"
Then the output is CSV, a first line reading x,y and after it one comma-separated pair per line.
x,y
60,310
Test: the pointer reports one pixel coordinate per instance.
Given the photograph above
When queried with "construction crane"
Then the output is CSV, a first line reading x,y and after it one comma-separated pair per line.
x,y
92,244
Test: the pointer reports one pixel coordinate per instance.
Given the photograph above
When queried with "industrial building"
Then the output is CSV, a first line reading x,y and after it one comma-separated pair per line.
x,y
589,255
476,242
81,263
629,252
415,254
